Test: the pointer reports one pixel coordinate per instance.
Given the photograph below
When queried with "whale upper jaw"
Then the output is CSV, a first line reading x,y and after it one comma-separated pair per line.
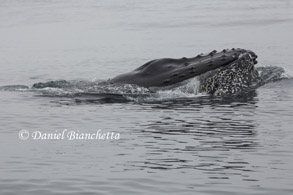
x,y
167,71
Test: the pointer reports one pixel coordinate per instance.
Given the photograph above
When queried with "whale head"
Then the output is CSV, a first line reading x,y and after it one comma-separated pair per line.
x,y
218,72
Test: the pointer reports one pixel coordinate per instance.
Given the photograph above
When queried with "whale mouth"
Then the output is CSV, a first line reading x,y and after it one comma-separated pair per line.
x,y
232,77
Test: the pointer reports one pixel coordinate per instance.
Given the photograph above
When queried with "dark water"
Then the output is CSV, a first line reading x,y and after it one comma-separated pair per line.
x,y
174,143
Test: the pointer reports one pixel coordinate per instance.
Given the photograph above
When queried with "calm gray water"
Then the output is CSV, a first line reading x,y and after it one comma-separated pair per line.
x,y
196,145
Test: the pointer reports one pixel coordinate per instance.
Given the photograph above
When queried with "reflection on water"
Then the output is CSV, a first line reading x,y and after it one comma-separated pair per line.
x,y
208,129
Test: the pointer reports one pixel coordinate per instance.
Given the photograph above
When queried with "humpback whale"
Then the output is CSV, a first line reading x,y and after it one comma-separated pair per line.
x,y
226,72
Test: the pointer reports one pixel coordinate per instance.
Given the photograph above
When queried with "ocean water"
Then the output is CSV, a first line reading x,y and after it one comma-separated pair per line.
x,y
173,143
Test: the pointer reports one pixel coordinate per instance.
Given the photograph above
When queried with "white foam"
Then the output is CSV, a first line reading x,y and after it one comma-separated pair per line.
x,y
188,90
287,74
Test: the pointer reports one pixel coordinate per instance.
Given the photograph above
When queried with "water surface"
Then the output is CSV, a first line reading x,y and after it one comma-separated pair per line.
x,y
197,145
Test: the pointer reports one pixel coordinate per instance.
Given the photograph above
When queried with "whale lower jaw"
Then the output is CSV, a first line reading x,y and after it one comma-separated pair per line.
x,y
232,78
